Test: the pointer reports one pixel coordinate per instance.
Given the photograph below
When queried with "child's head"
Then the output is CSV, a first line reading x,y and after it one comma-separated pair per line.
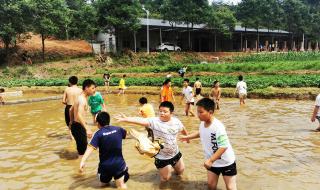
x,y
216,83
197,78
89,87
73,80
2,90
240,77
205,109
124,76
167,82
143,100
166,109
103,119
186,82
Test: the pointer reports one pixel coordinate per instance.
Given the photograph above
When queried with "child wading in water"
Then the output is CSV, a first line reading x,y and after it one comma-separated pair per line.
x,y
96,103
219,155
146,111
188,96
1,98
107,78
165,127
216,94
316,111
122,85
241,89
108,139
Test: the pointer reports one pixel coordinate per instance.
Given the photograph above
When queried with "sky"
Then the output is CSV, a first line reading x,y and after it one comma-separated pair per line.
x,y
226,1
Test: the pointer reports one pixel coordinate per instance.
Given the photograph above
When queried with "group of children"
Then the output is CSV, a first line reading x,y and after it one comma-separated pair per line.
x,y
220,158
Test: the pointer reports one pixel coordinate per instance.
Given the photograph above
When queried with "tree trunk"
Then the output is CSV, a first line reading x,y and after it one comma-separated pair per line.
x,y
42,40
135,41
258,40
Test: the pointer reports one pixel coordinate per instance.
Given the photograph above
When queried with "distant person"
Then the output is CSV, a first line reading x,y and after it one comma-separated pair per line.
x,y
188,96
215,94
316,111
108,139
197,86
219,155
97,104
167,92
241,90
147,111
70,95
182,71
165,127
1,96
122,85
79,128
107,78
26,59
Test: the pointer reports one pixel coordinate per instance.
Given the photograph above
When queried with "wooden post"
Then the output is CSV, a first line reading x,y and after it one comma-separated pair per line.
x,y
302,43
241,45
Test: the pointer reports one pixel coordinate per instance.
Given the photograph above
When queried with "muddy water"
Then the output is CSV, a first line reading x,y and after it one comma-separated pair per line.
x,y
273,141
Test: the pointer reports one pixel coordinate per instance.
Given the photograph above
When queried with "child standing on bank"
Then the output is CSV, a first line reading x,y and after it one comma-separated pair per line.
x,y
219,155
241,89
109,141
122,85
165,127
188,96
96,103
216,94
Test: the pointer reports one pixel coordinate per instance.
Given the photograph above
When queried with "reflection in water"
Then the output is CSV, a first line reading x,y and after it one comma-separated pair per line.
x,y
273,142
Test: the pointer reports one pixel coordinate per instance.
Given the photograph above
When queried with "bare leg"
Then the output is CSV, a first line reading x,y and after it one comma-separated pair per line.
x,y
120,183
186,109
165,173
179,167
230,182
191,110
212,180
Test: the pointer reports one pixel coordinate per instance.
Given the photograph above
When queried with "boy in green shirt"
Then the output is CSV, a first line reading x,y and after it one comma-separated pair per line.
x,y
96,104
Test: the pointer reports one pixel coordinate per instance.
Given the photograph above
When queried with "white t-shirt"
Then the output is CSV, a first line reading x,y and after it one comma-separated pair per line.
x,y
188,95
242,87
318,104
167,131
213,138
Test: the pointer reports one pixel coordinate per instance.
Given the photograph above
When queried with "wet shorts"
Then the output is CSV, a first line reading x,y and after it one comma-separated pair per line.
x,y
190,103
242,95
80,136
230,170
67,114
106,178
163,163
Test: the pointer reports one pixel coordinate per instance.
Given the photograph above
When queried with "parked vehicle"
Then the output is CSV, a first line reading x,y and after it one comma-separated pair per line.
x,y
168,47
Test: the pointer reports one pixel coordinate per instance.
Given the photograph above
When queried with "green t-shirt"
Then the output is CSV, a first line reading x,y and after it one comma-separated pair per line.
x,y
95,102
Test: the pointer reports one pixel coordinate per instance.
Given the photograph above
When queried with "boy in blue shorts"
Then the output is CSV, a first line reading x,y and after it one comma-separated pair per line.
x,y
219,155
109,141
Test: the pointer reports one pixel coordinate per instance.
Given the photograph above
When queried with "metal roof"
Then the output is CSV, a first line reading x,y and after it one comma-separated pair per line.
x,y
238,28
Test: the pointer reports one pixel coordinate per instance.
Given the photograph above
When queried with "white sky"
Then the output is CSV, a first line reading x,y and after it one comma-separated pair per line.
x,y
226,1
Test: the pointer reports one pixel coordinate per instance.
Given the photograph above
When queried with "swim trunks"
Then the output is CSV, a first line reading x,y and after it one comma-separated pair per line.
x,y
80,136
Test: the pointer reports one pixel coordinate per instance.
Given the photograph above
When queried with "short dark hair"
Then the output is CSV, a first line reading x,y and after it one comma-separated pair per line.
x,y
124,76
186,80
2,90
197,78
143,100
103,118
240,77
166,81
167,104
215,82
207,104
87,83
73,80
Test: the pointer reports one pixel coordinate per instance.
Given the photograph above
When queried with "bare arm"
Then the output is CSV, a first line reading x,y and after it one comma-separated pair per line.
x,y
64,99
217,155
85,157
194,135
219,94
314,114
80,114
134,120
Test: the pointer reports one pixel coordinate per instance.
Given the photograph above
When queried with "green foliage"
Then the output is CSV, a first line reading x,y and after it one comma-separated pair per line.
x,y
289,56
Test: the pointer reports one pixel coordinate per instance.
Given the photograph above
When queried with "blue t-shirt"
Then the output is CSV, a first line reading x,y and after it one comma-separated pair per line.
x,y
109,141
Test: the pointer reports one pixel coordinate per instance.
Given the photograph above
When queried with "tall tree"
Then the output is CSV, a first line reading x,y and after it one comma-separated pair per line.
x,y
49,16
117,16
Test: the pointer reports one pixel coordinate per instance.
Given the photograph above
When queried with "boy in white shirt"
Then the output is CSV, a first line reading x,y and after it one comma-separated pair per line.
x,y
188,96
316,112
219,155
241,89
165,127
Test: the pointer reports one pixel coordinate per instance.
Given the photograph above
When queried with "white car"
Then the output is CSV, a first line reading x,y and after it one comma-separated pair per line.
x,y
168,47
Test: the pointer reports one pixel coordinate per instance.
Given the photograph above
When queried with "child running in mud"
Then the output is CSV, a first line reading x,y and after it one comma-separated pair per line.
x,y
241,89
216,94
165,127
167,92
97,104
108,139
316,111
146,111
219,155
70,95
188,96
122,85
1,98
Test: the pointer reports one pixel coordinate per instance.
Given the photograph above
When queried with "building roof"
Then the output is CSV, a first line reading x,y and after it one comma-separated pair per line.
x,y
238,28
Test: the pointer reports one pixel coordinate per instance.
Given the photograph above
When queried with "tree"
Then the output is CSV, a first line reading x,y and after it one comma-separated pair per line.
x,y
117,16
49,16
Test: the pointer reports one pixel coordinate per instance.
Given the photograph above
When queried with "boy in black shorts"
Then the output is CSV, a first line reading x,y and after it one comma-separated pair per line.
x,y
109,141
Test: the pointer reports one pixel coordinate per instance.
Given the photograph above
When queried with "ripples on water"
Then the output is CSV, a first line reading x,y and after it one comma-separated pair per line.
x,y
273,141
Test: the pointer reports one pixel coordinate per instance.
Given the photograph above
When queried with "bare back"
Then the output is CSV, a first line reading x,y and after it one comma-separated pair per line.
x,y
215,93
80,107
71,95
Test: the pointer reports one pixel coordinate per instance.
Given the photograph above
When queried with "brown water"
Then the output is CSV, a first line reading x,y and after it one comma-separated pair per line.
x,y
273,141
